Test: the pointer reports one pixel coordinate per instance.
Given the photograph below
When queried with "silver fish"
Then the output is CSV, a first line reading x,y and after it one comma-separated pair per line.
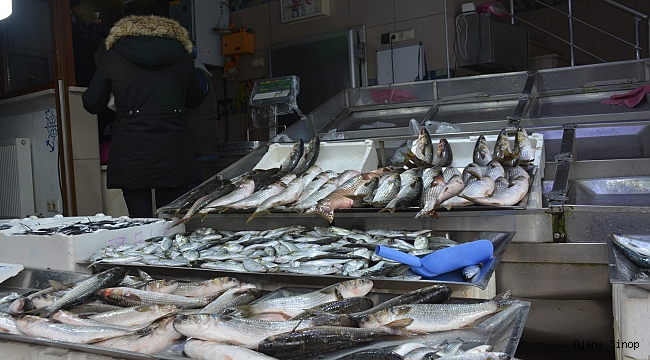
x,y
255,199
408,195
161,337
502,150
45,328
309,157
244,190
67,317
452,188
388,188
83,290
8,324
345,176
134,297
481,155
212,350
494,170
523,149
310,201
422,147
291,161
429,318
472,170
443,156
293,305
236,296
451,171
205,287
429,174
430,198
511,196
315,184
242,331
203,201
135,316
500,184
339,198
636,249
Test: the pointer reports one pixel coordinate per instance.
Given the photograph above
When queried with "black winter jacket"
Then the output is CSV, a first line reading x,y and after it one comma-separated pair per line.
x,y
150,71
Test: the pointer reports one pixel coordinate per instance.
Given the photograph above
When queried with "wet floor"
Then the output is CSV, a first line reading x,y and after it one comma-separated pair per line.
x,y
538,351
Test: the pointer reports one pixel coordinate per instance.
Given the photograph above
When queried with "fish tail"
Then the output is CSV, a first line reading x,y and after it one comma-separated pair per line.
x,y
388,208
178,222
421,213
324,211
398,327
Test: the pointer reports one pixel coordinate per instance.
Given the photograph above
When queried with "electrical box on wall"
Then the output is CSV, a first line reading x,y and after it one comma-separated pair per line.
x,y
292,11
239,43
199,17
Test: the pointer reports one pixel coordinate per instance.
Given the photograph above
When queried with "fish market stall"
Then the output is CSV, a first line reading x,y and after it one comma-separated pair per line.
x,y
496,323
589,180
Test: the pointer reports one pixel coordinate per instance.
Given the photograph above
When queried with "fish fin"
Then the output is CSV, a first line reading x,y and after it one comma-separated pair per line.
x,y
325,212
391,209
178,222
434,214
256,214
246,310
57,286
400,324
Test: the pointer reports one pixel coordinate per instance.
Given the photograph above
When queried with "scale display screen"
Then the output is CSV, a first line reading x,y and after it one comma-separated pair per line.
x,y
275,91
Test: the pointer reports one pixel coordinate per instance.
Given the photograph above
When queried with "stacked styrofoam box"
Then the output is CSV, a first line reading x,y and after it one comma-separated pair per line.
x,y
336,156
631,305
63,252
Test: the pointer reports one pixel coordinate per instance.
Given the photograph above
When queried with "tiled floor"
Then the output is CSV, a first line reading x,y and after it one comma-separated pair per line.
x,y
538,351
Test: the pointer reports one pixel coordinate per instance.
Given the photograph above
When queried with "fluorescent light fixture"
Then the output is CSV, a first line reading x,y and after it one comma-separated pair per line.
x,y
5,9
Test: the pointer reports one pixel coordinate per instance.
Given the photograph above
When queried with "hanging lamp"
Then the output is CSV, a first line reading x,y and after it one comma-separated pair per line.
x,y
5,9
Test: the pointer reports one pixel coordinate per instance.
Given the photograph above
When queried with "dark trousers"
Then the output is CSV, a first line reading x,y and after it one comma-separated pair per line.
x,y
138,201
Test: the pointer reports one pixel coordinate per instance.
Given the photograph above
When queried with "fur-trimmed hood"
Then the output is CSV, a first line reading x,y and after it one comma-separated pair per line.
x,y
151,25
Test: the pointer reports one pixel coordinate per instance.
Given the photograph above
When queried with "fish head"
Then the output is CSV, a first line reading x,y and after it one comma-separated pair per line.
x,y
29,321
225,282
355,287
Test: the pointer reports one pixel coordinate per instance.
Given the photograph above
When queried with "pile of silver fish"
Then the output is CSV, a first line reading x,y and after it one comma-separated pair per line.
x,y
83,226
425,180
223,318
294,249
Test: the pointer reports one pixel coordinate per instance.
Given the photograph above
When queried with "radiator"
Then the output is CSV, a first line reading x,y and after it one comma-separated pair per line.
x,y
16,182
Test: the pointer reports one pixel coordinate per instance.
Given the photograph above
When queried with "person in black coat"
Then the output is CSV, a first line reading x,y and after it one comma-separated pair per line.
x,y
86,38
148,67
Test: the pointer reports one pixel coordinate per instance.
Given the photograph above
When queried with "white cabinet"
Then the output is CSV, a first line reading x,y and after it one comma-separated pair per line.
x,y
292,11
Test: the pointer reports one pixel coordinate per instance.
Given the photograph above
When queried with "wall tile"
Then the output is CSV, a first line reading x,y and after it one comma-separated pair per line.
x,y
257,18
339,19
371,12
413,9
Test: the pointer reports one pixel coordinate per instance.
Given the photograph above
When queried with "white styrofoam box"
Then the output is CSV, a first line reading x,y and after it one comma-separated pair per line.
x,y
336,156
63,252
631,305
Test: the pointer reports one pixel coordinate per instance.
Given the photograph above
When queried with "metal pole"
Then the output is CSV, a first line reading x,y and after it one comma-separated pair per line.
x,y
444,4
636,37
648,38
573,58
512,11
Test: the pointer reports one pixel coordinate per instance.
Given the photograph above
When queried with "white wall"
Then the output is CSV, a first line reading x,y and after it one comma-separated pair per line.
x,y
36,119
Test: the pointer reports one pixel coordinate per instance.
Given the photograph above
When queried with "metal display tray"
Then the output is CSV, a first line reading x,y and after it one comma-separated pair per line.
x,y
621,268
500,242
502,330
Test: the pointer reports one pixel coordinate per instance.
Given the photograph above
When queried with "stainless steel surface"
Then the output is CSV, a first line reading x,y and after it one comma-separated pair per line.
x,y
622,269
502,330
593,224
619,191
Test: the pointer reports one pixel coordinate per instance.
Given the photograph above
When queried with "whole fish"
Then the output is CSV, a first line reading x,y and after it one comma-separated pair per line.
x,y
203,201
165,286
408,195
366,190
344,306
320,339
511,196
430,196
233,297
309,157
255,199
244,190
479,356
161,337
500,184
502,151
293,305
450,171
134,297
93,308
523,149
387,189
434,294
471,171
479,188
469,272
20,305
636,249
429,174
494,170
211,350
339,198
83,290
310,201
247,332
481,155
429,318
135,316
443,156
8,324
315,184
67,317
345,176
289,195
80,334
191,196
371,354
205,287
422,147
453,187
515,172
